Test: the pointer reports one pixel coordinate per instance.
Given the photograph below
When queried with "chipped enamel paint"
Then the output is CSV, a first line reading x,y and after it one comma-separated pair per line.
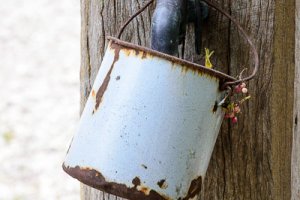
x,y
146,117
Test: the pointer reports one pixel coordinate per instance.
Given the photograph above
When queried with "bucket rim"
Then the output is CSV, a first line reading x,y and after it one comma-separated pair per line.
x,y
193,66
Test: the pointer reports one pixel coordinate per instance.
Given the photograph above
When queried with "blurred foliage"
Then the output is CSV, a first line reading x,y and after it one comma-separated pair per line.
x,y
8,136
18,198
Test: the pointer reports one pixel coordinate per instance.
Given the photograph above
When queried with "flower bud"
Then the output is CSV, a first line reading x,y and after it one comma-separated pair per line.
x,y
237,89
234,120
244,90
243,85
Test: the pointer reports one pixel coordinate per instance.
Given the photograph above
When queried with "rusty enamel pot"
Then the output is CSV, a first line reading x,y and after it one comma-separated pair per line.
x,y
149,125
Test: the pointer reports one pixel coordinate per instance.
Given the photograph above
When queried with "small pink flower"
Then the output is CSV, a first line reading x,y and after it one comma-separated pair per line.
x,y
233,107
238,89
234,120
243,85
244,90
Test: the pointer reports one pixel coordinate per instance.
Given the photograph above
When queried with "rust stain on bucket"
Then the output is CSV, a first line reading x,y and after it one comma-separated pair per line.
x,y
96,180
162,184
104,85
146,53
93,93
136,181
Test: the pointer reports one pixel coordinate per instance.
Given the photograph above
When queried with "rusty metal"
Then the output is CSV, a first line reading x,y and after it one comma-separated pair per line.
x,y
149,125
96,180
104,85
187,65
253,48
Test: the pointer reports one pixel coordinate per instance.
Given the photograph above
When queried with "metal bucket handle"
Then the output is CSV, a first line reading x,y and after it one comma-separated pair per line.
x,y
253,48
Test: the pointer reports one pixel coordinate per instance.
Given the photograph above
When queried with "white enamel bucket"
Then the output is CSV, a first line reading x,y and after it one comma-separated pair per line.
x,y
149,125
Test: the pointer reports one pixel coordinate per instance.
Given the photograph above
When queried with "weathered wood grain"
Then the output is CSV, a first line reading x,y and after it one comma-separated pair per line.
x,y
240,168
296,136
251,160
282,101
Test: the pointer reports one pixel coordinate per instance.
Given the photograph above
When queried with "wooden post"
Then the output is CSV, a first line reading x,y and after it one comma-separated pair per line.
x,y
296,136
251,160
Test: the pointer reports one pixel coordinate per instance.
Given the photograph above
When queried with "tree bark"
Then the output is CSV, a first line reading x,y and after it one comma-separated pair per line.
x,y
253,159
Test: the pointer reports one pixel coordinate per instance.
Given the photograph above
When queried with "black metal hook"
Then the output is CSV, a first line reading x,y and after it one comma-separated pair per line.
x,y
169,24
198,12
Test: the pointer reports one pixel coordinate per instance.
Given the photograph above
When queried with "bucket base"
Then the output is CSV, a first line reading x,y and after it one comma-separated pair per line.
x,y
96,180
